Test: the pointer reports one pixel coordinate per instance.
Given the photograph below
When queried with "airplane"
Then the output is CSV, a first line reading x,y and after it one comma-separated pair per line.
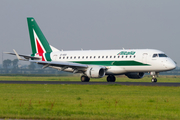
x,y
133,63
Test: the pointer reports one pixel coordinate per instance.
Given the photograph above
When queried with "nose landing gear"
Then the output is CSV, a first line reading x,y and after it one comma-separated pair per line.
x,y
154,75
153,80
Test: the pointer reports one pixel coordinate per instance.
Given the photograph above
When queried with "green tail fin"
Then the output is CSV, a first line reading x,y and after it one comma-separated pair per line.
x,y
39,44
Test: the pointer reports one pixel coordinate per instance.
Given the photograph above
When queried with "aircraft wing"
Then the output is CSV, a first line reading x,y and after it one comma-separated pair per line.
x,y
62,65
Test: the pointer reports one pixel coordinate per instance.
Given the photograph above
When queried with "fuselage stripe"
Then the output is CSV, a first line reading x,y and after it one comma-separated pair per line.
x,y
112,63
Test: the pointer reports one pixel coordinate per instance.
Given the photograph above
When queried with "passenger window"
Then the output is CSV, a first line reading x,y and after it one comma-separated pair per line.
x,y
126,56
102,56
110,56
99,57
122,56
59,57
87,57
114,56
94,56
82,57
63,57
79,57
106,56
90,57
67,57
134,56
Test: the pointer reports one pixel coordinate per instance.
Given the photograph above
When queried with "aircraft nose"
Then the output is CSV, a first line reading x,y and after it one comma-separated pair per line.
x,y
171,65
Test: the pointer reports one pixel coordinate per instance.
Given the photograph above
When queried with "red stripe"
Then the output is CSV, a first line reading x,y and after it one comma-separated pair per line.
x,y
40,50
41,54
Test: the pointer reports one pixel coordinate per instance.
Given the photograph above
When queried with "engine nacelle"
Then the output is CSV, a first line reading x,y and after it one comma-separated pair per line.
x,y
135,75
95,72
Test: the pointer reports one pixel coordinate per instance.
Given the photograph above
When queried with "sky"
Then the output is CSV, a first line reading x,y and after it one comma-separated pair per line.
x,y
92,25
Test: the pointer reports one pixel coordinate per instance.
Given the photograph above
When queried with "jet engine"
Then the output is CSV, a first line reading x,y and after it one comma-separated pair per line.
x,y
95,72
135,75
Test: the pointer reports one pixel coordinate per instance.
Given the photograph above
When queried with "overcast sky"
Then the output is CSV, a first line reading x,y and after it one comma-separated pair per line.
x,y
93,24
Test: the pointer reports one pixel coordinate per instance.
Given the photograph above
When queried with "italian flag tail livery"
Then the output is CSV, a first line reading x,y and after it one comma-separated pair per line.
x,y
39,45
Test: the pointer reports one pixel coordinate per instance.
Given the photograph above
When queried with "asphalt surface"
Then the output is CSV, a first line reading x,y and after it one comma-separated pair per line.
x,y
91,83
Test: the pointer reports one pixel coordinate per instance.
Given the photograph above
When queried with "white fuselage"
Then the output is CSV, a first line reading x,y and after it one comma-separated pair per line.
x,y
119,61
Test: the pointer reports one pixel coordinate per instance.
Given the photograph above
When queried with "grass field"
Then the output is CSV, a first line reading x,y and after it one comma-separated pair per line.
x,y
77,78
35,101
89,102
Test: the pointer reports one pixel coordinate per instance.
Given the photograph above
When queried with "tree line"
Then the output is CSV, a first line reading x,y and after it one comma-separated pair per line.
x,y
14,64
12,67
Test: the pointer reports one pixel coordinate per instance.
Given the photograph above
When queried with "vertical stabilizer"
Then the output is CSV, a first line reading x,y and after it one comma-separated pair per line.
x,y
39,44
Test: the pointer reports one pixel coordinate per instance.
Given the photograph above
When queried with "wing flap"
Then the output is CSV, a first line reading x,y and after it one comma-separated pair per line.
x,y
60,64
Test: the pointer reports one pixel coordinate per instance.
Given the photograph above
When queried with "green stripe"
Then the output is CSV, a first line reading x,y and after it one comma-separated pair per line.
x,y
113,63
31,35
48,57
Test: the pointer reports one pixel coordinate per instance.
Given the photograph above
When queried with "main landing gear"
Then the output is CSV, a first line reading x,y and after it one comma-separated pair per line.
x,y
154,75
110,78
85,78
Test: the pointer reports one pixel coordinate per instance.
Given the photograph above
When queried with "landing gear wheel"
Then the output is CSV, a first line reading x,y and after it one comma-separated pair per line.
x,y
153,80
111,78
84,78
154,75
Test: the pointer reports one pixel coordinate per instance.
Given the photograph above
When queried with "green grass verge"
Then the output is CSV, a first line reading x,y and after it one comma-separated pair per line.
x,y
32,101
77,78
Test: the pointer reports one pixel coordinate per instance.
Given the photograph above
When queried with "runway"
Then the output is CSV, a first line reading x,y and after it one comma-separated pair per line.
x,y
92,83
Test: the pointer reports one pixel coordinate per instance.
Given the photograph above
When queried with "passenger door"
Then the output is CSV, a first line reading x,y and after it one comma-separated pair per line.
x,y
144,58
55,57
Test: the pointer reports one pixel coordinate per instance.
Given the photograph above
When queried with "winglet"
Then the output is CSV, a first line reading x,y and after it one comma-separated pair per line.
x,y
18,56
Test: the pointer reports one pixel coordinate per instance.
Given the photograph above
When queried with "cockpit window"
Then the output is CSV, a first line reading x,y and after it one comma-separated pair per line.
x,y
155,55
162,55
159,55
